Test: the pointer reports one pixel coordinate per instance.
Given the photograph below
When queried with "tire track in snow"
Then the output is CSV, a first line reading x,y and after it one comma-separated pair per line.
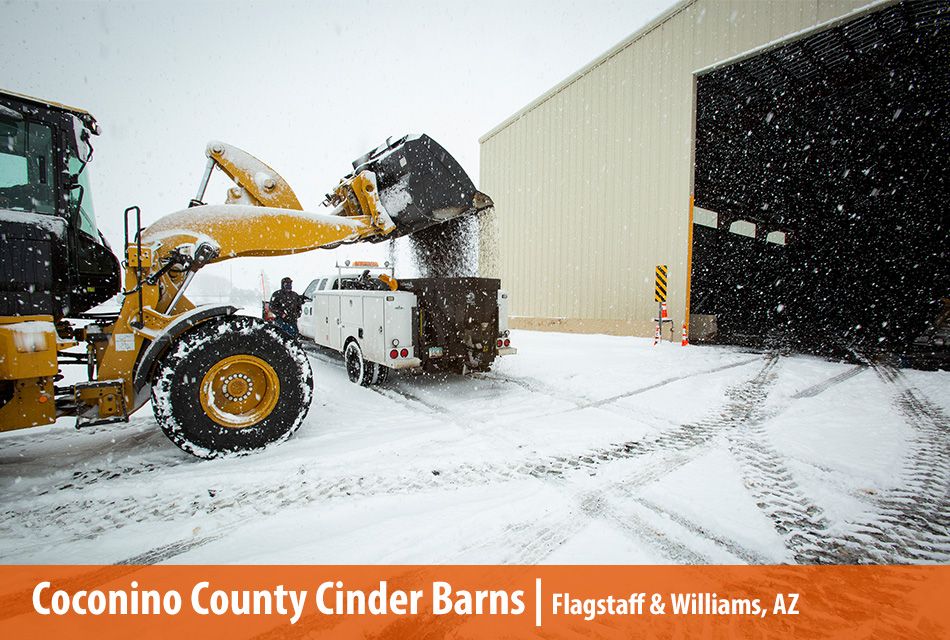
x,y
665,453
670,449
912,514
912,523
15,604
796,518
93,515
394,391
745,554
412,401
530,541
169,551
688,442
83,478
535,386
799,521
793,515
531,385
663,383
637,528
143,449
823,386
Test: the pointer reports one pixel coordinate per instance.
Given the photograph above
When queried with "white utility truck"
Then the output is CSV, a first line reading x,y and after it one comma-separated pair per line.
x,y
378,323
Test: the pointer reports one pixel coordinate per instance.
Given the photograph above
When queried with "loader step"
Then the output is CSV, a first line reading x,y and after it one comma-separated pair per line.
x,y
108,397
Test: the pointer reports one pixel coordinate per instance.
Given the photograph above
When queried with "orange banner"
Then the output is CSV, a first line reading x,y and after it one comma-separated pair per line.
x,y
474,602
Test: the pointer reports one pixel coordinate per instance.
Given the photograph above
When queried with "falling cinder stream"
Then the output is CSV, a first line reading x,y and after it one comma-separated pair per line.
x,y
447,250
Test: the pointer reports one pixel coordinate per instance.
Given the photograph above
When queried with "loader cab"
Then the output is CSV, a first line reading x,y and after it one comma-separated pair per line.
x,y
60,264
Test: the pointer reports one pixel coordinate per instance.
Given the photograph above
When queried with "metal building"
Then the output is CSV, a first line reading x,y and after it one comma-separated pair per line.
x,y
593,181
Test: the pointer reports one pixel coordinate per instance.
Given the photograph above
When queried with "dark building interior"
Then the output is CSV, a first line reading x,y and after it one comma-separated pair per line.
x,y
841,141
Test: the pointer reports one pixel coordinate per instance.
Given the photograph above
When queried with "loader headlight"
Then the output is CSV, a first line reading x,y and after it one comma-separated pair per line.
x,y
395,342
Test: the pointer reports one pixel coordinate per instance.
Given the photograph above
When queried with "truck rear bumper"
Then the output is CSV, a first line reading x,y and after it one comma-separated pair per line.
x,y
406,363
507,351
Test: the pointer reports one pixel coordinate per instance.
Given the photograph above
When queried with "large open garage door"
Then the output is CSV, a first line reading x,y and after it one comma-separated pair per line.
x,y
822,169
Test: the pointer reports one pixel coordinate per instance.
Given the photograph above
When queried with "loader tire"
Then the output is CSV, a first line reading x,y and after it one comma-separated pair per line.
x,y
231,386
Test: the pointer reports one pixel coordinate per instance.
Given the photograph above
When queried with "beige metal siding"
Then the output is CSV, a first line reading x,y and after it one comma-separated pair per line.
x,y
592,182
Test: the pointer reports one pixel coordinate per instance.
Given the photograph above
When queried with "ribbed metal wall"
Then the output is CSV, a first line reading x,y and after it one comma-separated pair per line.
x,y
592,181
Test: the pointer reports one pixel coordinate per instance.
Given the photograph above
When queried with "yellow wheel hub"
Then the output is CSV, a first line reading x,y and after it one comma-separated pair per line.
x,y
239,391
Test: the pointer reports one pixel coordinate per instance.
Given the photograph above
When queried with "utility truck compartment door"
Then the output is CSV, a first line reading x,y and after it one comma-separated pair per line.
x,y
334,340
351,311
373,330
321,319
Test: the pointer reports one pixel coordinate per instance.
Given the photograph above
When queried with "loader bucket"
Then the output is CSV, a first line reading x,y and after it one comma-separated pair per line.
x,y
420,183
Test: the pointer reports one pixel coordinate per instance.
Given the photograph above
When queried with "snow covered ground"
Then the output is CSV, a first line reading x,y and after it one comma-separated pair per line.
x,y
580,449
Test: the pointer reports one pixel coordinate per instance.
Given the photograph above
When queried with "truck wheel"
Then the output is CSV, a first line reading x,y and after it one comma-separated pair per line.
x,y
231,386
382,374
358,370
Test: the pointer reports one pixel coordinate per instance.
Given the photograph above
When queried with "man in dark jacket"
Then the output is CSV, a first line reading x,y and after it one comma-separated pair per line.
x,y
285,304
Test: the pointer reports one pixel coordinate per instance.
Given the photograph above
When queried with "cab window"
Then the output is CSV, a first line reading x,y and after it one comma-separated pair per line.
x,y
87,216
26,166
311,288
323,284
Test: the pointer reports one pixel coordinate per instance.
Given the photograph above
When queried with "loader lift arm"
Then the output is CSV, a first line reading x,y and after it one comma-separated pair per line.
x,y
262,215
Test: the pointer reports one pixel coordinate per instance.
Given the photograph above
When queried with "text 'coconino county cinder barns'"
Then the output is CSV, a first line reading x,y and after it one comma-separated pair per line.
x,y
812,135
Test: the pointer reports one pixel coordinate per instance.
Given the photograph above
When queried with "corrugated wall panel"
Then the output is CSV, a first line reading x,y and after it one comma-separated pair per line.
x,y
591,184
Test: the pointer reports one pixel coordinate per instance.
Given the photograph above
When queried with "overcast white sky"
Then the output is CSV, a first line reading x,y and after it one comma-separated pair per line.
x,y
305,86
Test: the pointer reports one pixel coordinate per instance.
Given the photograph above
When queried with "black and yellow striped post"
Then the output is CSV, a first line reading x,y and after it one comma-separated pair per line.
x,y
659,296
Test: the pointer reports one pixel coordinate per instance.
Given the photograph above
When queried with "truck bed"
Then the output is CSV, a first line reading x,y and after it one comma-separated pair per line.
x,y
456,320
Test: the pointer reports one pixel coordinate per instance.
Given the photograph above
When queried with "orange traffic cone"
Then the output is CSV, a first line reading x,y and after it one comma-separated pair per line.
x,y
685,341
656,336
663,314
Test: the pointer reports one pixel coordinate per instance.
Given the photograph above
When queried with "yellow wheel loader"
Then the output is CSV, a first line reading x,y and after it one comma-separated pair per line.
x,y
219,383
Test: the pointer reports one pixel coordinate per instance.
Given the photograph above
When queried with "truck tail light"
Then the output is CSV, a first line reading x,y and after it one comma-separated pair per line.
x,y
507,342
404,353
499,343
393,354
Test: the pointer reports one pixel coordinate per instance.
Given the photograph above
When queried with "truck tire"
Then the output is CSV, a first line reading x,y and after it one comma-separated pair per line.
x,y
382,374
231,386
358,370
